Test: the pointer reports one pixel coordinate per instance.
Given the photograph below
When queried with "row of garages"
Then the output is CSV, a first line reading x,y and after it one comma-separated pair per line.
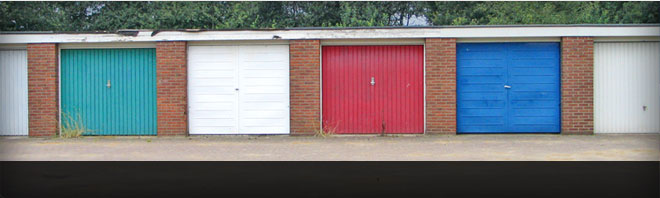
x,y
366,87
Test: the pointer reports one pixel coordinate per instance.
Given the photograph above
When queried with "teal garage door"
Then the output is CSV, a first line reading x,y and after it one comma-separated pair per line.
x,y
109,91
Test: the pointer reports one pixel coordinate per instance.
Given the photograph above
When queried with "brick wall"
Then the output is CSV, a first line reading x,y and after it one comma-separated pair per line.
x,y
305,85
441,86
171,61
577,96
42,89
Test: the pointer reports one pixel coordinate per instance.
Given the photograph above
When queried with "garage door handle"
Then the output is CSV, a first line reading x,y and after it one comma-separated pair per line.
x,y
507,86
108,85
373,81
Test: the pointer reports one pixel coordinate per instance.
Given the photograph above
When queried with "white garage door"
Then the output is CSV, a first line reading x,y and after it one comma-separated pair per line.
x,y
13,92
238,89
627,87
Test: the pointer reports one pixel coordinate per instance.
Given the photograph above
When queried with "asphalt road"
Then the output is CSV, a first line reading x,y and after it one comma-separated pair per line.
x,y
635,147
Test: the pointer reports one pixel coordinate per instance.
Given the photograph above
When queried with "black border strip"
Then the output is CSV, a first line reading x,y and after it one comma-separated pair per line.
x,y
311,179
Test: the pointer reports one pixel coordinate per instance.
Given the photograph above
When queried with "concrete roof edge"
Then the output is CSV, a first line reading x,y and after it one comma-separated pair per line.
x,y
332,28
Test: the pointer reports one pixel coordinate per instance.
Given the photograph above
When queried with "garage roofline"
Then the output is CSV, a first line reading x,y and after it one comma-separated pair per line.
x,y
473,31
333,28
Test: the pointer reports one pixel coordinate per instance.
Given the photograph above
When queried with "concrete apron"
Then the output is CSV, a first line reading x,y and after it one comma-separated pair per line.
x,y
635,147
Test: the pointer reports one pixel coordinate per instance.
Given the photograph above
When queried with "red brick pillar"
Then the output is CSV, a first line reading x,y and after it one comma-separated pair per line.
x,y
577,92
441,85
42,89
171,69
305,82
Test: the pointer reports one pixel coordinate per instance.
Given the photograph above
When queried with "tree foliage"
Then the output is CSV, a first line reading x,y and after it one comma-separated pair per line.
x,y
492,13
113,15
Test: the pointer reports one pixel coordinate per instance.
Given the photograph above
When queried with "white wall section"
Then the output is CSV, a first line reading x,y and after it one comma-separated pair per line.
x,y
627,87
13,92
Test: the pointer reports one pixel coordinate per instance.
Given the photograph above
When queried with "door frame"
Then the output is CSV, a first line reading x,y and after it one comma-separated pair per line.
x,y
13,46
114,45
370,42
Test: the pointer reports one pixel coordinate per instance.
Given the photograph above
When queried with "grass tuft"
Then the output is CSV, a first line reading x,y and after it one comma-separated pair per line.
x,y
325,131
73,126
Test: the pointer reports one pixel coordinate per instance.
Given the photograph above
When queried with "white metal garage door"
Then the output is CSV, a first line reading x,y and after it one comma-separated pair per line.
x,y
627,87
13,92
238,89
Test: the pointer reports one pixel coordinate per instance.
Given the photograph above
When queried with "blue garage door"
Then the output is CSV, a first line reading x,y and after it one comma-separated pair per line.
x,y
508,88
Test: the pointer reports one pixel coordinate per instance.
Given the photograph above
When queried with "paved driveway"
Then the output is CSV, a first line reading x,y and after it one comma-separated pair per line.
x,y
645,147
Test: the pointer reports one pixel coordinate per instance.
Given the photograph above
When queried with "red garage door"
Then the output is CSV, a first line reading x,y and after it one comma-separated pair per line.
x,y
373,89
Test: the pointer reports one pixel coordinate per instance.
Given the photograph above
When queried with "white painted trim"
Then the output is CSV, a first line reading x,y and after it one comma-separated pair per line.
x,y
628,39
320,85
344,42
234,134
187,110
513,39
59,90
107,45
508,32
349,33
13,46
247,42
187,90
424,88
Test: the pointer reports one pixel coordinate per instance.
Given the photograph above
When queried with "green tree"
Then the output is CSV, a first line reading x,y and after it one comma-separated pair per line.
x,y
492,13
61,16
114,15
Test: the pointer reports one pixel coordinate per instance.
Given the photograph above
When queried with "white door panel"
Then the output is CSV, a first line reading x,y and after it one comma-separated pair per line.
x,y
212,83
627,87
260,105
260,65
13,92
